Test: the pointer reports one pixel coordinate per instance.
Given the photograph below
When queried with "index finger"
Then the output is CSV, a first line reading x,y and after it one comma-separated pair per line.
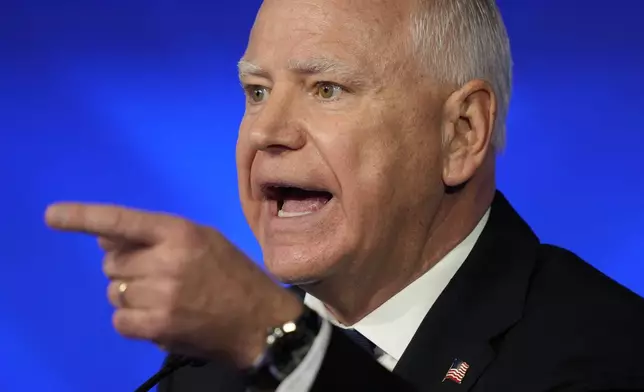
x,y
107,221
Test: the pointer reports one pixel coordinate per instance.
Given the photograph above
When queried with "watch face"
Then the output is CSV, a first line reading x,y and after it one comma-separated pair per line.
x,y
291,345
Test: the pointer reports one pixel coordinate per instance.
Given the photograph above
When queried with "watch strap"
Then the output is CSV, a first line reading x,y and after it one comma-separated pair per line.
x,y
287,345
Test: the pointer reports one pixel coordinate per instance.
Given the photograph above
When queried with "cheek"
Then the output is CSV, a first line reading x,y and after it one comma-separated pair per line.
x,y
244,157
364,162
387,169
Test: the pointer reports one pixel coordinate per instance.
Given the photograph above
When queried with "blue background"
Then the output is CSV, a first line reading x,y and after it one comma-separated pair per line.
x,y
137,102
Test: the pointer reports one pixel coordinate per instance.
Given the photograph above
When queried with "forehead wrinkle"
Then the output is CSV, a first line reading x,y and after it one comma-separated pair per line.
x,y
315,65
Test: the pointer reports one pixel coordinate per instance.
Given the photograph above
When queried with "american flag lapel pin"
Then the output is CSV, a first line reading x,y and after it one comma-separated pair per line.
x,y
457,371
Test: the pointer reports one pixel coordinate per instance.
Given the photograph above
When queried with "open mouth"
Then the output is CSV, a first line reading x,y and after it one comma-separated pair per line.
x,y
295,202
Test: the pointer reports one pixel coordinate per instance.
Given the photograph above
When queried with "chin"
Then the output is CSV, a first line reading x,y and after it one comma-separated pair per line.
x,y
300,267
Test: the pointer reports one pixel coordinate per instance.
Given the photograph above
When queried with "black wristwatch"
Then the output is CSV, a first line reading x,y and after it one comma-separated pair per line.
x,y
287,345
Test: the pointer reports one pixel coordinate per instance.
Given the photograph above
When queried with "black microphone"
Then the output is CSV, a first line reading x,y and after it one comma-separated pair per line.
x,y
173,363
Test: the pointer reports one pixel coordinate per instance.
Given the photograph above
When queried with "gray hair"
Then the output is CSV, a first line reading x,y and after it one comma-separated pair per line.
x,y
461,40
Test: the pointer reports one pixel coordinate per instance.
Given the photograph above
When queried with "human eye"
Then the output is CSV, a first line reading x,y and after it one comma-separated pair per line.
x,y
256,93
328,91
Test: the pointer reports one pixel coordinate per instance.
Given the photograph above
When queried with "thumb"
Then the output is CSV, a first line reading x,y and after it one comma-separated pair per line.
x,y
117,244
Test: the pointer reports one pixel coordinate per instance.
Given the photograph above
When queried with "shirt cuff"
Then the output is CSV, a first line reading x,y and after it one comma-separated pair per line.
x,y
303,377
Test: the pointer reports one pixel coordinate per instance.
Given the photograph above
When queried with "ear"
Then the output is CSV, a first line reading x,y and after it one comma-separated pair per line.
x,y
469,116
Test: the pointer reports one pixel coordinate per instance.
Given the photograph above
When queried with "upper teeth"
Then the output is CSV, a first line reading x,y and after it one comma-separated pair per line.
x,y
284,214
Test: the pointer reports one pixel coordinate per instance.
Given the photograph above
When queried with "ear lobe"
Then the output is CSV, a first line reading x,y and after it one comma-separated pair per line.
x,y
469,118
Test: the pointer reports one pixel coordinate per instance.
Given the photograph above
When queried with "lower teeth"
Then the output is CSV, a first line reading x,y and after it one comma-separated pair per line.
x,y
284,214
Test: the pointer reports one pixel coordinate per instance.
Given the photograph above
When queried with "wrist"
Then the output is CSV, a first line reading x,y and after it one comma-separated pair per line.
x,y
287,345
285,308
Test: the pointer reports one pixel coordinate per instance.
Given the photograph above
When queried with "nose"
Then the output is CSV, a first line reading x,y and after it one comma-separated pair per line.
x,y
277,128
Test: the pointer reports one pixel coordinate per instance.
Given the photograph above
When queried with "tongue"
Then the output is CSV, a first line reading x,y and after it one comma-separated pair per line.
x,y
303,201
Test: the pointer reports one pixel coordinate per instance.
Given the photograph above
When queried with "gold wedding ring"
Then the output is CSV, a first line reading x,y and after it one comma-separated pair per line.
x,y
122,288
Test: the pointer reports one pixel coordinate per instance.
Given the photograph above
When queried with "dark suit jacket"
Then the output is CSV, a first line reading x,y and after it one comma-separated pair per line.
x,y
525,316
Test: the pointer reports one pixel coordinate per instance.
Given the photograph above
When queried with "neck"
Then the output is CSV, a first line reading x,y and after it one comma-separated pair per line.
x,y
352,295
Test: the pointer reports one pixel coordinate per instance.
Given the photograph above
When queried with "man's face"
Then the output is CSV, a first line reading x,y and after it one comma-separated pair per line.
x,y
339,149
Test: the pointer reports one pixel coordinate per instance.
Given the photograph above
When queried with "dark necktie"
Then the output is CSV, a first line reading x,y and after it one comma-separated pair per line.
x,y
361,341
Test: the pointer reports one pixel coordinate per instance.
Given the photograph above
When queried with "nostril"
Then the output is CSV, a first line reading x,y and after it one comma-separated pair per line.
x,y
277,138
276,149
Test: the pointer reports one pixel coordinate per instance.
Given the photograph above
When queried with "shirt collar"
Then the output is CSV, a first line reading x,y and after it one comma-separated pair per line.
x,y
393,324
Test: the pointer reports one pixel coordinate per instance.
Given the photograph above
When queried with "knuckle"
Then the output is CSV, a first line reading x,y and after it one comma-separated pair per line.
x,y
170,262
163,293
116,218
176,258
170,290
107,244
185,231
160,326
108,265
134,223
111,293
123,324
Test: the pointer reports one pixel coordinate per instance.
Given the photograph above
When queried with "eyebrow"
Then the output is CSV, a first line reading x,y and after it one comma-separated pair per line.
x,y
312,66
247,68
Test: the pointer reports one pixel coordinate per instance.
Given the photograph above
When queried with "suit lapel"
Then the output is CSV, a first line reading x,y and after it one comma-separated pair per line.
x,y
483,300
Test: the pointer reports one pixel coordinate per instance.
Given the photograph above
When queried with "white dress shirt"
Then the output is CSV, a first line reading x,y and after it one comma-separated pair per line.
x,y
392,325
